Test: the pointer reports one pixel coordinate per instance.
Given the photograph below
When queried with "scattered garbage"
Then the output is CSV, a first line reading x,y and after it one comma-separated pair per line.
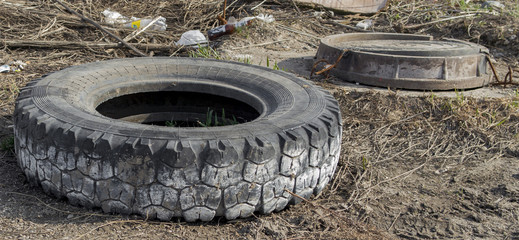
x,y
365,24
233,25
229,28
493,4
319,14
265,18
159,25
113,17
192,38
5,68
13,66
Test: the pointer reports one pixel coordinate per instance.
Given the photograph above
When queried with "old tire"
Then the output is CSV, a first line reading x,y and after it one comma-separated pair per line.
x,y
65,145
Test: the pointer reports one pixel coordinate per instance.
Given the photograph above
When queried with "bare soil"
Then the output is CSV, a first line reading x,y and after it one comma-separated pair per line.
x,y
413,164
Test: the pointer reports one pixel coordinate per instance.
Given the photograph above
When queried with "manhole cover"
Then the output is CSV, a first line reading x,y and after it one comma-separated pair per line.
x,y
406,61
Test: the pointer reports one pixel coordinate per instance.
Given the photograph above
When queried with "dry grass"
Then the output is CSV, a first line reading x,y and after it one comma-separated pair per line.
x,y
389,140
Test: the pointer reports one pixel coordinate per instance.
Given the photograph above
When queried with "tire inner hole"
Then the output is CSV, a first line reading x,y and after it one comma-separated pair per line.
x,y
178,109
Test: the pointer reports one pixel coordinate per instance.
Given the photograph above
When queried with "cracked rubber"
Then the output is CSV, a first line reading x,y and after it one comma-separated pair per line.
x,y
64,145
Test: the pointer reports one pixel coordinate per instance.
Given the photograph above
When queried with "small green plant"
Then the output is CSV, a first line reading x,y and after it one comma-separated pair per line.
x,y
171,123
204,52
276,67
14,89
432,100
460,193
447,105
243,32
7,144
245,60
465,5
501,122
460,98
515,11
212,119
365,163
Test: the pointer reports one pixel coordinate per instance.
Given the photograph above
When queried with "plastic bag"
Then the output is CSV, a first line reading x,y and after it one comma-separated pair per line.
x,y
266,18
365,24
112,17
5,68
192,37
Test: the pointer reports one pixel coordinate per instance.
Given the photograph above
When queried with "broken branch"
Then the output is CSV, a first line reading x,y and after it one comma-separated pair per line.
x,y
79,45
437,21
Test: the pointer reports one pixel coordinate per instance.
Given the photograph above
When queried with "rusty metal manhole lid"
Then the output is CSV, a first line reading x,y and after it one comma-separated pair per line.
x,y
406,61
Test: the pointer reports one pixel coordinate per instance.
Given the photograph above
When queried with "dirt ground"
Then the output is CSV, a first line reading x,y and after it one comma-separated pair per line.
x,y
414,165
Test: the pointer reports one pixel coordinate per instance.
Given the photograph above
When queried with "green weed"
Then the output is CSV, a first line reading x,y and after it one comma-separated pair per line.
x,y
204,52
460,98
275,66
246,60
212,119
447,105
365,163
171,123
7,144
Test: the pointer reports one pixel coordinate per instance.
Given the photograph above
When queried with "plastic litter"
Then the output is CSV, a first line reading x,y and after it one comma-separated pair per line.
x,y
233,25
113,17
5,68
13,66
159,25
365,24
319,14
265,18
192,38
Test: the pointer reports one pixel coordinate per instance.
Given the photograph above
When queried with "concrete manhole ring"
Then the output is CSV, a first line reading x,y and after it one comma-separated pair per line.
x,y
406,61
89,134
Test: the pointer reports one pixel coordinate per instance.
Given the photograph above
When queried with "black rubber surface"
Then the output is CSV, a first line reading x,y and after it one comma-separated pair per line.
x,y
65,145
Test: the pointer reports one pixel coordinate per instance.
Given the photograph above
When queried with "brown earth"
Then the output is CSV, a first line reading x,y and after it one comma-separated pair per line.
x,y
413,164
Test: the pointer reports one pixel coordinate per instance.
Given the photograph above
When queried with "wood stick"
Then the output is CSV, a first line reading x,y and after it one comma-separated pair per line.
x,y
348,27
297,8
224,9
260,44
437,21
258,5
101,28
79,45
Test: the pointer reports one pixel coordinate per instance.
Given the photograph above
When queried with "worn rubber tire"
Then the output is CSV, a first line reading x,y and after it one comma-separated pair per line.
x,y
63,144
